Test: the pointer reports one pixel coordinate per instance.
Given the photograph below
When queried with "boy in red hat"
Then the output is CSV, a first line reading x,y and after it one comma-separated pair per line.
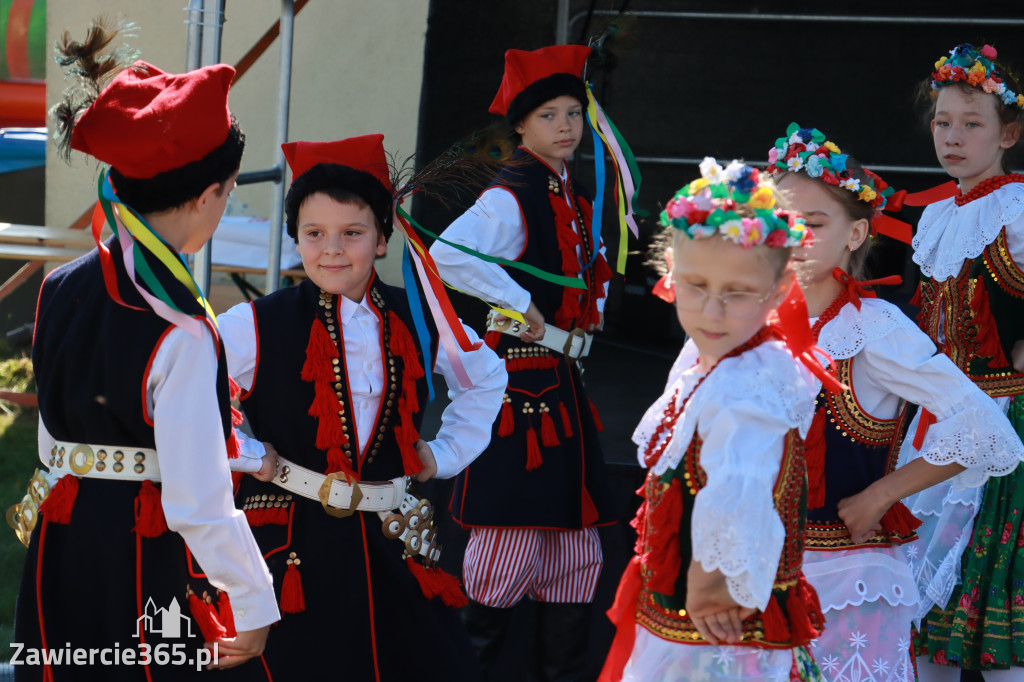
x,y
334,375
135,419
534,499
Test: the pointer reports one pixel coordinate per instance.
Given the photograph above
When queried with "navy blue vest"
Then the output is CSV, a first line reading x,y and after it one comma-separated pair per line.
x,y
859,450
91,355
278,402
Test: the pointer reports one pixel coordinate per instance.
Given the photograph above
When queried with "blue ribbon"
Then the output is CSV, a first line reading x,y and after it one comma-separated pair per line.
x,y
595,222
412,292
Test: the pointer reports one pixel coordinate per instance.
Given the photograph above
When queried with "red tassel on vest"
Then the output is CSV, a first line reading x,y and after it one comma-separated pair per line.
x,y
898,519
776,629
226,614
547,428
492,338
206,617
814,452
805,619
566,422
507,426
234,447
533,457
597,417
149,514
59,504
665,560
337,460
292,598
319,352
986,334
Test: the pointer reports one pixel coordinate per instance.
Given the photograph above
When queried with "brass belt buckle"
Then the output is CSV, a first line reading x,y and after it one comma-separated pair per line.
x,y
574,334
325,494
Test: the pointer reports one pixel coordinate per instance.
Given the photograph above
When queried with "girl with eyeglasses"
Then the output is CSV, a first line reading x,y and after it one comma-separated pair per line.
x,y
715,589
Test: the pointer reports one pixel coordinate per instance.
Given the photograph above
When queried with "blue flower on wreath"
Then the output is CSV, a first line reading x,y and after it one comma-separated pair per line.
x,y
839,162
814,166
745,182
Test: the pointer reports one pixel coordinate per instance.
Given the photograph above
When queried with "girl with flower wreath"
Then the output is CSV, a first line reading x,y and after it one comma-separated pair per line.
x,y
715,589
969,248
857,552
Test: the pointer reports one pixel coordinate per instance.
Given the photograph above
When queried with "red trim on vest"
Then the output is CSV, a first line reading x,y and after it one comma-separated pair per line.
x,y
145,375
369,597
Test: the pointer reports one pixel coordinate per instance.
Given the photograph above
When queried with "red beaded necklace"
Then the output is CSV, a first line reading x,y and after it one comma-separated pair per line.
x,y
830,312
986,187
654,450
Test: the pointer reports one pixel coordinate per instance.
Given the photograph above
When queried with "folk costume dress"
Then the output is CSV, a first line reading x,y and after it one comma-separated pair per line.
x,y
868,591
969,248
544,448
156,399
726,487
352,605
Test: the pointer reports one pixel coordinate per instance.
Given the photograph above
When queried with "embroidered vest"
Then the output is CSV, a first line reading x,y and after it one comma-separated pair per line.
x,y
981,316
859,450
793,617
551,242
279,402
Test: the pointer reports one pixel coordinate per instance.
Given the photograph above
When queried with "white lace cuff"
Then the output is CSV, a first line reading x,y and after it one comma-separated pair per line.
x,y
977,436
736,530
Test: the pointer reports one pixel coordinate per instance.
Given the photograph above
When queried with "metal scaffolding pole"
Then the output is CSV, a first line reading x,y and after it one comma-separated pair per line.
x,y
284,87
205,25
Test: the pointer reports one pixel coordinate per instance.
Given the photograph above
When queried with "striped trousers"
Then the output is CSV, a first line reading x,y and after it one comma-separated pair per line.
x,y
502,565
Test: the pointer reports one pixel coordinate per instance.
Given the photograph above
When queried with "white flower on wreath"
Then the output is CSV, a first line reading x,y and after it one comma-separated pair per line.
x,y
710,170
732,171
850,184
795,163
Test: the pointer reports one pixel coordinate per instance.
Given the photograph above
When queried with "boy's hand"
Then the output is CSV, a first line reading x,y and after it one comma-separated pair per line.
x,y
591,328
714,612
534,324
247,644
862,513
268,470
429,463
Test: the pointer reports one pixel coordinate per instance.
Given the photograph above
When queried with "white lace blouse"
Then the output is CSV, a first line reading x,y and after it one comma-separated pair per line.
x,y
742,412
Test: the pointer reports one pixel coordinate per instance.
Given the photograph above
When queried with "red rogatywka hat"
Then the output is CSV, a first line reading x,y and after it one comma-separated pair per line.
x,y
364,153
524,68
146,122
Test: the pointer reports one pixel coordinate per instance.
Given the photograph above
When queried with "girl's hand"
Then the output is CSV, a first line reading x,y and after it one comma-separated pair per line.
x,y
862,513
268,470
534,324
1017,356
429,463
715,614
591,328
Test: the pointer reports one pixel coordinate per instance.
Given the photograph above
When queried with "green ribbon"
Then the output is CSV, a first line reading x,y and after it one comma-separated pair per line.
x,y
562,280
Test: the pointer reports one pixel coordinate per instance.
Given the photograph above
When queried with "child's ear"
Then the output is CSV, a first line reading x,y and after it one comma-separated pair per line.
x,y
208,194
668,259
382,244
1011,134
785,283
858,234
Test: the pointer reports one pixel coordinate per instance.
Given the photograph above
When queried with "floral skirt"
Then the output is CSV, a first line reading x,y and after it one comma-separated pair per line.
x,y
982,626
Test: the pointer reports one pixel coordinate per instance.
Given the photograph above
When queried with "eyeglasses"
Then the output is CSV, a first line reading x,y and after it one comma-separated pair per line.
x,y
737,304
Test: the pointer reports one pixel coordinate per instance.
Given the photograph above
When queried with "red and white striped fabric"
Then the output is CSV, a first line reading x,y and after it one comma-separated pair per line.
x,y
502,565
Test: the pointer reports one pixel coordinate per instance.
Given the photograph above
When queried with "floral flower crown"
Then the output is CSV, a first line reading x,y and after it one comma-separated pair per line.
x,y
806,149
967,64
707,206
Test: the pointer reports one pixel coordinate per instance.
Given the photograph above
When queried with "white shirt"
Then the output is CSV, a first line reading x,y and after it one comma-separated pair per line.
x,y
195,478
465,423
494,225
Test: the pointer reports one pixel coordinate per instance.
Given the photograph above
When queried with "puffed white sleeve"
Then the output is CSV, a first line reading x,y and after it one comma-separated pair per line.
x,y
196,482
466,422
970,428
735,527
494,226
238,333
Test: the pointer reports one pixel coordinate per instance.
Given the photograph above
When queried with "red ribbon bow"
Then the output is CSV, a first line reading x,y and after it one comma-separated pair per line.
x,y
898,229
857,289
793,329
